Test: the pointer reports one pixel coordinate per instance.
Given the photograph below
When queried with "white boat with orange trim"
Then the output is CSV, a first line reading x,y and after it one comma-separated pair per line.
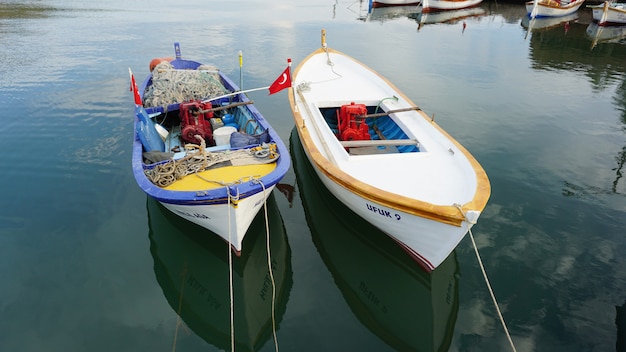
x,y
552,8
383,157
202,149
609,13
445,5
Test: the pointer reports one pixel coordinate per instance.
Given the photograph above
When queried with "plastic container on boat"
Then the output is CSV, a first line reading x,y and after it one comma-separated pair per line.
x,y
222,135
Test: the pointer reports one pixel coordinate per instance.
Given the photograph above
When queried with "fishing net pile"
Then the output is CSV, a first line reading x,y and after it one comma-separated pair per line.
x,y
170,85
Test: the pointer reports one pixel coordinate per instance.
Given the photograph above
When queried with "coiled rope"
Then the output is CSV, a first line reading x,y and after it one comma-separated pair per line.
x,y
482,268
198,159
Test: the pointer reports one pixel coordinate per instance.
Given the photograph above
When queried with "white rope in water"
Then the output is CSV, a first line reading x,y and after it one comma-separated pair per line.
x,y
230,277
493,297
269,265
482,268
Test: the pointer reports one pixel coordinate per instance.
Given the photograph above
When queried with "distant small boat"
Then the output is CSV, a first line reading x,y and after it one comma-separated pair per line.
x,y
552,8
609,13
383,157
391,3
193,272
211,160
445,5
390,294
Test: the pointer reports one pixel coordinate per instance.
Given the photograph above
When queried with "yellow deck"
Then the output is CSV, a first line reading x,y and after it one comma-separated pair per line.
x,y
227,175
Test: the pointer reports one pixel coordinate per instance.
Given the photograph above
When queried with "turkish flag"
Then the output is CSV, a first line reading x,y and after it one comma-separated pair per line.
x,y
133,88
283,81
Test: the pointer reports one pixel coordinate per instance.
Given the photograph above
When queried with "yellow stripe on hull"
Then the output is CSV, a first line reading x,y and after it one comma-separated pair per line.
x,y
225,175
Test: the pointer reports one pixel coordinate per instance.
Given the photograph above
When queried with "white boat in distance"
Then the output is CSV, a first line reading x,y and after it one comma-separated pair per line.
x,y
387,3
382,156
445,5
552,8
609,13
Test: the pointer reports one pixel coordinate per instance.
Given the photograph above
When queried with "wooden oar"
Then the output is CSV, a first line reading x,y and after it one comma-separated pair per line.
x,y
380,114
233,105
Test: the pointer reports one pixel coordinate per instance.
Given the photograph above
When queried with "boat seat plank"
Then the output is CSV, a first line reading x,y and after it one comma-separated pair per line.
x,y
386,142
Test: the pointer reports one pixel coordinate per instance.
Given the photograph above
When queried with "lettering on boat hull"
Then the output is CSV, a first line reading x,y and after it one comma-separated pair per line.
x,y
383,212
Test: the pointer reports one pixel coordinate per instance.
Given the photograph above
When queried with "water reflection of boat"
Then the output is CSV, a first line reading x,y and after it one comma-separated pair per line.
x,y
450,16
605,34
447,5
382,14
387,291
193,272
539,23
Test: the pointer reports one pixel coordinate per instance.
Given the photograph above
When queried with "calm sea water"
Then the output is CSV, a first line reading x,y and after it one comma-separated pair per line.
x,y
87,263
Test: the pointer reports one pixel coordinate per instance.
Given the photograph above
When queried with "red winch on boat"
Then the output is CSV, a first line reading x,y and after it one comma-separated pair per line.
x,y
195,120
349,128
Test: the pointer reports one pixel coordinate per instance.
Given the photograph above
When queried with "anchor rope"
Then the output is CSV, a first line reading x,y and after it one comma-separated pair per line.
x,y
482,268
230,274
269,265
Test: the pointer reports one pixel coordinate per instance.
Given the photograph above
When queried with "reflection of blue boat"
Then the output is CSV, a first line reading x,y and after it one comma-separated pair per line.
x,y
387,291
193,271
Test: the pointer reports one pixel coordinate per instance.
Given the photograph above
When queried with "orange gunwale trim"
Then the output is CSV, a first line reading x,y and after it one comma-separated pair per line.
x,y
448,214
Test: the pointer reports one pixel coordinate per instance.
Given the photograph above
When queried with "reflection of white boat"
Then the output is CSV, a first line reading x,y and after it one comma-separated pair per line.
x,y
382,14
552,8
193,272
392,3
451,16
604,34
444,5
408,308
609,13
547,22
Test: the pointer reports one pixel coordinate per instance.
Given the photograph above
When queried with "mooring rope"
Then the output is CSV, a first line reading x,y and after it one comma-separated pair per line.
x,y
269,265
180,308
482,268
230,275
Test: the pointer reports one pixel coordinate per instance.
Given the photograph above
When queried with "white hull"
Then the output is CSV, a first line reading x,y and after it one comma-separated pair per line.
x,y
551,8
425,200
609,13
214,217
435,242
384,3
444,5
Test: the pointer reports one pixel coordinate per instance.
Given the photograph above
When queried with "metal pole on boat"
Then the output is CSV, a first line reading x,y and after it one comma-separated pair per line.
x,y
240,69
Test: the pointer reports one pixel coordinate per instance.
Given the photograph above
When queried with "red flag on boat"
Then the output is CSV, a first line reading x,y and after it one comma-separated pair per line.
x,y
283,81
133,88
